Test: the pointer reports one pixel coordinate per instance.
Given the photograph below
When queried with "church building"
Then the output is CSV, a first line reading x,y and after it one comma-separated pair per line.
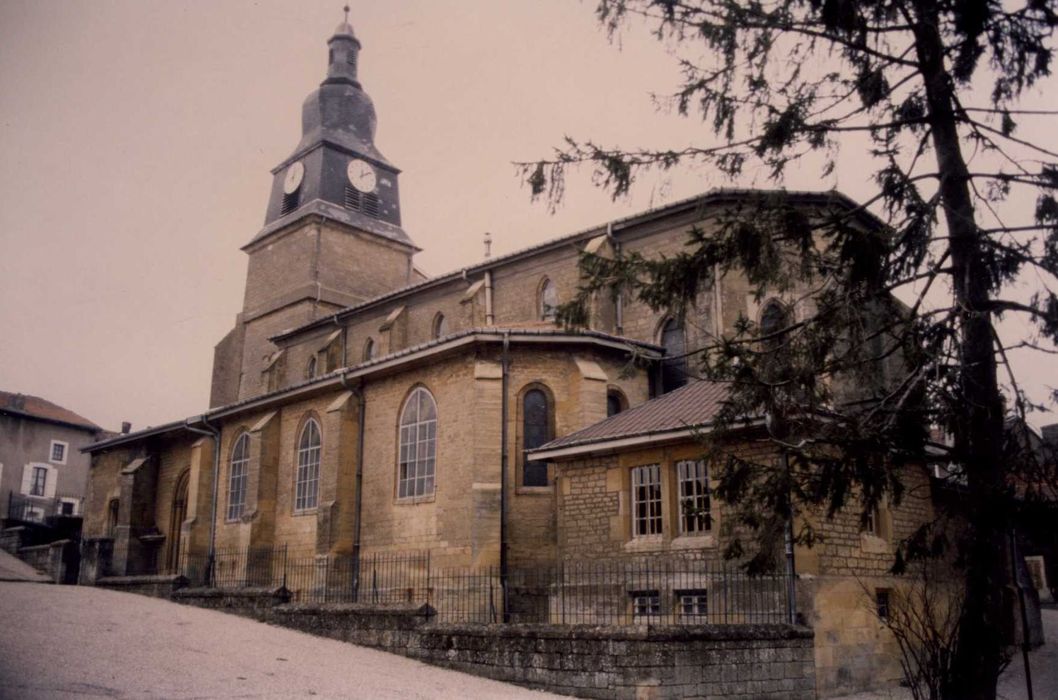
x,y
359,407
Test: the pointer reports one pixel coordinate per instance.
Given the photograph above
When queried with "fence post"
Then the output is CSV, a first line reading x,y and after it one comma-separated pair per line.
x,y
429,589
285,565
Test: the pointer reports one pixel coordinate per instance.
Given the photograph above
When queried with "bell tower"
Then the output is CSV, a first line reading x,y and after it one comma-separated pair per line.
x,y
332,233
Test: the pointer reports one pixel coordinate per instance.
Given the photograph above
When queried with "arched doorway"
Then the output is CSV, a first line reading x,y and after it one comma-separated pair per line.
x,y
176,519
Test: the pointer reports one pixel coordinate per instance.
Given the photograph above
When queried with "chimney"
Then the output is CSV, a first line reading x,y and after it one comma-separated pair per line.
x,y
126,427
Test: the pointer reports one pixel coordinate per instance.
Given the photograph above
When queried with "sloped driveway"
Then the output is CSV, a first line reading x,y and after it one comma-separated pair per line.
x,y
72,641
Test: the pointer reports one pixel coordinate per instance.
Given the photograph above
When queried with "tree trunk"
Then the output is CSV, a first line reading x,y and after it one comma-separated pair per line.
x,y
979,430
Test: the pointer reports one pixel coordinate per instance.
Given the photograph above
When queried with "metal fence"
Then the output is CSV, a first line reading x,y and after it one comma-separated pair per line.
x,y
32,509
630,591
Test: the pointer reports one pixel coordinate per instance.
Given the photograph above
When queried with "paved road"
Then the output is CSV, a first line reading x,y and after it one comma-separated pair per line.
x,y
71,641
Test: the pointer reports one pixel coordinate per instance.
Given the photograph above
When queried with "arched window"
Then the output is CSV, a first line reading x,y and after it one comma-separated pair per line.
x,y
548,300
774,318
113,508
369,350
240,459
674,366
615,402
310,371
440,326
307,485
536,431
418,445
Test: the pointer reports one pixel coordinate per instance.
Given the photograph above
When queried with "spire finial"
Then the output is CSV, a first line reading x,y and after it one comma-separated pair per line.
x,y
346,11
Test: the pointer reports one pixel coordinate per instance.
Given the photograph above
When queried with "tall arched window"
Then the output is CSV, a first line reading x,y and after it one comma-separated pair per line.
x,y
773,319
536,431
548,300
418,445
369,350
240,459
307,485
440,326
674,366
615,402
310,371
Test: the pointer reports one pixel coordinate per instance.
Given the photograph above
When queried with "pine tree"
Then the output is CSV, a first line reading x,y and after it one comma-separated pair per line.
x,y
795,77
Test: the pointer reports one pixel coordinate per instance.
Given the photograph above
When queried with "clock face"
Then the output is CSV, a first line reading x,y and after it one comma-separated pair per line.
x,y
292,180
362,176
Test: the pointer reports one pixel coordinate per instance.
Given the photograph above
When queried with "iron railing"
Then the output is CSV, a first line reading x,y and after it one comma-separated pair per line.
x,y
32,509
629,591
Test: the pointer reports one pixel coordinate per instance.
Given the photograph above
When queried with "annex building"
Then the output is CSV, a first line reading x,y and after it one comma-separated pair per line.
x,y
361,411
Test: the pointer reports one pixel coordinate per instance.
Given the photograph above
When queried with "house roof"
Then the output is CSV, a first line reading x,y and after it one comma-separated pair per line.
x,y
681,411
715,197
42,409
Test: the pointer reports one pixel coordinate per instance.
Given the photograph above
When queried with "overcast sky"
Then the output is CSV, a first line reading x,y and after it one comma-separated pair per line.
x,y
138,136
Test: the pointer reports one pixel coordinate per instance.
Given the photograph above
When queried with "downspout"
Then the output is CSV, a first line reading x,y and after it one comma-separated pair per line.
x,y
489,318
619,315
213,432
358,502
504,389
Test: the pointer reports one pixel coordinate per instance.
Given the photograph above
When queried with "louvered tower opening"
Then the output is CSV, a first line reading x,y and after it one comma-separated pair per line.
x,y
290,202
366,203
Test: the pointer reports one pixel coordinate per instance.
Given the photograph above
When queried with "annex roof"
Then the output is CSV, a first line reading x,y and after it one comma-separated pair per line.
x,y
715,197
424,351
42,409
675,414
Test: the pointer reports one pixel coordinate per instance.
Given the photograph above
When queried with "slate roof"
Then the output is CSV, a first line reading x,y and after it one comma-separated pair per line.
x,y
36,407
696,404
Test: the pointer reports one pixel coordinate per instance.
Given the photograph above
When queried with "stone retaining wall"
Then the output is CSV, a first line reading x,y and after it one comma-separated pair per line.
x,y
155,586
633,663
57,560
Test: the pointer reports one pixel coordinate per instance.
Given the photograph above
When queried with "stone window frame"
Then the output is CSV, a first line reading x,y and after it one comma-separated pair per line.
x,y
309,420
234,511
615,392
546,311
638,485
519,437
429,477
64,446
681,498
681,361
439,326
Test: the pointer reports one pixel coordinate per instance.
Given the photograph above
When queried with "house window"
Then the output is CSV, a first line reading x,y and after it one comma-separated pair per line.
x,y
536,431
440,326
418,445
240,459
645,605
369,350
308,477
40,478
58,452
112,516
695,518
646,500
674,366
68,508
881,602
693,604
548,300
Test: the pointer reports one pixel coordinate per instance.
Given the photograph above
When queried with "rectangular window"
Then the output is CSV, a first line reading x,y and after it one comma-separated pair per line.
x,y
40,478
58,452
646,500
645,605
67,508
693,604
872,523
881,601
695,516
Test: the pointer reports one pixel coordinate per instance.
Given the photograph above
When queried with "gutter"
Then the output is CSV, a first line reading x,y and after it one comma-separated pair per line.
x,y
359,500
